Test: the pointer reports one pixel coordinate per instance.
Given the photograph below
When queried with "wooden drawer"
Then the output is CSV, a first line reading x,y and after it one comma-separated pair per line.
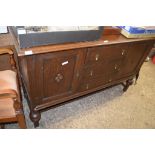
x,y
97,76
90,84
114,64
101,54
93,71
98,73
103,71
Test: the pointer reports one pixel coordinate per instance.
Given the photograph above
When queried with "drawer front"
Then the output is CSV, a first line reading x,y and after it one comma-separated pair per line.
x,y
100,54
106,69
99,70
93,71
115,65
90,81
94,83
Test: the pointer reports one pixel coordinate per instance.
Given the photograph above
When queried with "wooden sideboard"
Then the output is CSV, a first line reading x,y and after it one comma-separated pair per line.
x,y
54,74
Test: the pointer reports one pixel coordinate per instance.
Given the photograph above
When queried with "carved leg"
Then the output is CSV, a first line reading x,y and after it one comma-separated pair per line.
x,y
128,83
35,117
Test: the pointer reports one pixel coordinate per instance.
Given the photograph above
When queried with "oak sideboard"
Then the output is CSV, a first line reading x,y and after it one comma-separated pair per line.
x,y
54,74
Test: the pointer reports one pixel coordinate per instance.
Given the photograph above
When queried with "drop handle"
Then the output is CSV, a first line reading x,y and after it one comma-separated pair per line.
x,y
91,73
97,57
117,68
123,52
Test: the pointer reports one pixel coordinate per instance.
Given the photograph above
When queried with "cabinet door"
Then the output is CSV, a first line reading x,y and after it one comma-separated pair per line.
x,y
58,73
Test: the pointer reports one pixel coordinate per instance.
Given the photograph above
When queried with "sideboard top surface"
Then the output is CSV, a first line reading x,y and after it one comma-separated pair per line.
x,y
107,39
6,41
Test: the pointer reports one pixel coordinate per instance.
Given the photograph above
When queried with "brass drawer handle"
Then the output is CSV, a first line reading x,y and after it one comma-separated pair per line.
x,y
91,73
123,51
59,77
97,57
117,68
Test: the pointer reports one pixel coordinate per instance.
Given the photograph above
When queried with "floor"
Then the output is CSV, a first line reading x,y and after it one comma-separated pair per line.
x,y
110,108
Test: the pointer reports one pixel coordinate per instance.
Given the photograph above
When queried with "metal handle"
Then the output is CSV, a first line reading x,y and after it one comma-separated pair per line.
x,y
123,51
59,77
91,73
117,68
97,57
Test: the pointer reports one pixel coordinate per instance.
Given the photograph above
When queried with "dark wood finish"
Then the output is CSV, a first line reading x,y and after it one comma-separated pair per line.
x,y
54,74
58,71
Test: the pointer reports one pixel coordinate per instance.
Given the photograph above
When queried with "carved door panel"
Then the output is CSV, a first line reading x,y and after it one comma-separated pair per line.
x,y
58,73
